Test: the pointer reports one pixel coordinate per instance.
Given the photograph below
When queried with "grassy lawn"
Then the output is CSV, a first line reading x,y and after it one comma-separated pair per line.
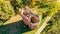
x,y
17,26
44,9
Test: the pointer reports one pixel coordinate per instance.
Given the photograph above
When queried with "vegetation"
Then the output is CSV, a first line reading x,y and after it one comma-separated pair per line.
x,y
53,25
6,11
43,8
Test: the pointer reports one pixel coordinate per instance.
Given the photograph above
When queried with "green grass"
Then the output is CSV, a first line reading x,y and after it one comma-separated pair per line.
x,y
19,28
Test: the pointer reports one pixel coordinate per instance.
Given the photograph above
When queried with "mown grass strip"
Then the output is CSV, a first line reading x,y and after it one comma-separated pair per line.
x,y
44,23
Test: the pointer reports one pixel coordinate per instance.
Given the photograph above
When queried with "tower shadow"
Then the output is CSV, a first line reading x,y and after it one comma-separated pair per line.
x,y
15,28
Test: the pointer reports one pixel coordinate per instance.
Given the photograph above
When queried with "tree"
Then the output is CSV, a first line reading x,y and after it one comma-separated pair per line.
x,y
6,11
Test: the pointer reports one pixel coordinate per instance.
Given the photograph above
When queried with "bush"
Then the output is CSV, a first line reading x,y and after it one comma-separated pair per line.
x,y
6,10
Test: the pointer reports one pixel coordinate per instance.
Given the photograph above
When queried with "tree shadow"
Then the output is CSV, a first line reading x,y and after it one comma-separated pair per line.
x,y
14,28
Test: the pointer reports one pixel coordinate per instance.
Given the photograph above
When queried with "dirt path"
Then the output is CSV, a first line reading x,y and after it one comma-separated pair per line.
x,y
13,19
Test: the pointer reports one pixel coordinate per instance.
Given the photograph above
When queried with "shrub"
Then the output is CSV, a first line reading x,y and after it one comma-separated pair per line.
x,y
6,10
